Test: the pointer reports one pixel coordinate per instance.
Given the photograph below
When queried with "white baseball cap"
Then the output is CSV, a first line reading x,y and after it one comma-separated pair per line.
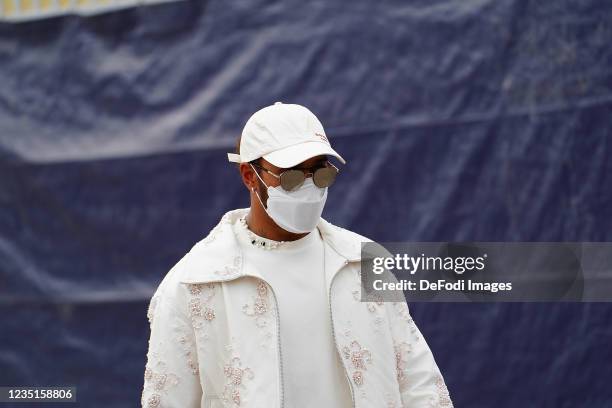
x,y
283,134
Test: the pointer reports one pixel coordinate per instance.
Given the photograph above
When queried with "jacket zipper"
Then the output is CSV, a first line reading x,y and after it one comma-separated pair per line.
x,y
280,354
331,315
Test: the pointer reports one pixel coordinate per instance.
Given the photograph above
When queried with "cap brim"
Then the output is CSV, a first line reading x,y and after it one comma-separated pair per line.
x,y
296,154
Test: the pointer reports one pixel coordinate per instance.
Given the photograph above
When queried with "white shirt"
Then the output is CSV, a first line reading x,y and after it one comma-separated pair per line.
x,y
295,271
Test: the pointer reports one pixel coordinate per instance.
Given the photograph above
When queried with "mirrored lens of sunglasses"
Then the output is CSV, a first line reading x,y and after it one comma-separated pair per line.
x,y
324,177
292,179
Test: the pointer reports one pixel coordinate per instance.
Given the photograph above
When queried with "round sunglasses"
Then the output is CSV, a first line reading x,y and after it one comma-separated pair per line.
x,y
293,178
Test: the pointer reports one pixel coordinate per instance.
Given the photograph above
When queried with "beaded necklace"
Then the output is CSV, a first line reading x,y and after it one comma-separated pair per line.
x,y
256,240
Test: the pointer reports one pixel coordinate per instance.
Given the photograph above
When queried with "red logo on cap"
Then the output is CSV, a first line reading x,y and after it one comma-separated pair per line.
x,y
322,137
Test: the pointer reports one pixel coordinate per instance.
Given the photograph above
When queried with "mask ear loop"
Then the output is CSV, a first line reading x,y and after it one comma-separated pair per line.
x,y
253,188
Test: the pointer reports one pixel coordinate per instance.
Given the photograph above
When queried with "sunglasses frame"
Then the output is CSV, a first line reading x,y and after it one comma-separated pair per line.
x,y
304,172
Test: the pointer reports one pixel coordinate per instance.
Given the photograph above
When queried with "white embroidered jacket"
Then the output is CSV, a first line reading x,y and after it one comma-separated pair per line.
x,y
215,333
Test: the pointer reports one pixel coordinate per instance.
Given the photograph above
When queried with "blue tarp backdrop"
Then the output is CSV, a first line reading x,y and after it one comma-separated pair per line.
x,y
474,120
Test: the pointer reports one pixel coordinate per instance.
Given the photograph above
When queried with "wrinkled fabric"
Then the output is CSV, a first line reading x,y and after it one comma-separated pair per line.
x,y
460,121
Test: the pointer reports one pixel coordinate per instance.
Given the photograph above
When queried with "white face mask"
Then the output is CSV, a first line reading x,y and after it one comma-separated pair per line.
x,y
296,211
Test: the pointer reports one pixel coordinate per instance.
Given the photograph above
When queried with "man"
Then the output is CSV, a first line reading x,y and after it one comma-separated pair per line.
x,y
265,311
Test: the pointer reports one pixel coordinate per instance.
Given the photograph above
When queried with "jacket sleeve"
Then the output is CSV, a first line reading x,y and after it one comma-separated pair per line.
x,y
420,381
171,377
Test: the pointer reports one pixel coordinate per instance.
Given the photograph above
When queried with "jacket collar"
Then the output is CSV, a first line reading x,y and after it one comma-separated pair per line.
x,y
218,257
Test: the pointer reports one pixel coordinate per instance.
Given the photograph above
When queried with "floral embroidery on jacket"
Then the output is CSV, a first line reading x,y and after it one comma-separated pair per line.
x,y
443,395
216,230
151,308
231,269
374,308
404,314
358,357
188,347
158,381
235,375
259,307
200,308
401,361
391,401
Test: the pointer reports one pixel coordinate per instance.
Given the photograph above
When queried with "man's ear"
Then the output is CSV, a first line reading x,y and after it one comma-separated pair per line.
x,y
248,175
